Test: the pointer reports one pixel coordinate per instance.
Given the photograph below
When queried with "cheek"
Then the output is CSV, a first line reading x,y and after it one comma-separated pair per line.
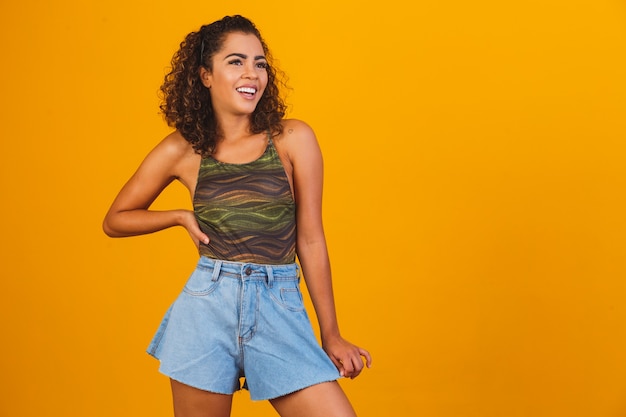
x,y
264,80
226,77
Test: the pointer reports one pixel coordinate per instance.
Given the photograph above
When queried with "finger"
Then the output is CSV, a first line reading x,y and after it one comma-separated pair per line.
x,y
348,366
198,234
357,366
195,231
338,365
203,238
367,356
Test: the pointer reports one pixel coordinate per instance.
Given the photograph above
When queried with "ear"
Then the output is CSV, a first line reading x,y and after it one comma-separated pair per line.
x,y
205,77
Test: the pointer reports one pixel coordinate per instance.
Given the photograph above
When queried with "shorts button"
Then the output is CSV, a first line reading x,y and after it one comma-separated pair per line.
x,y
248,271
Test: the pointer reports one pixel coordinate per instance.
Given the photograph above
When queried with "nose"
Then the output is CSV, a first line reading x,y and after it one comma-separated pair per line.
x,y
249,72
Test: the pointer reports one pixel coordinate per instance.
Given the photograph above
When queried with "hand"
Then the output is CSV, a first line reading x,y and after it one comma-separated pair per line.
x,y
189,222
347,357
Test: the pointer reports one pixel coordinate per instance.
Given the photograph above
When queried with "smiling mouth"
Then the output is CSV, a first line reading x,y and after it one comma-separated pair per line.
x,y
247,90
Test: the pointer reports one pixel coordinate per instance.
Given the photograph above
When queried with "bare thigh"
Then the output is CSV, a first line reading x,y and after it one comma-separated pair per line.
x,y
321,400
193,402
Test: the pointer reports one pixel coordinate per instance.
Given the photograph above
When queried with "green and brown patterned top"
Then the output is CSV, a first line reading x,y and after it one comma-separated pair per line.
x,y
247,210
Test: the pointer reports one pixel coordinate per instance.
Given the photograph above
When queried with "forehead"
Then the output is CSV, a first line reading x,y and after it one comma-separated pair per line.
x,y
237,42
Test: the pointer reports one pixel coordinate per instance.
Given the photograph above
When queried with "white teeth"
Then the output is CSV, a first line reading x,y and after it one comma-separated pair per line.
x,y
246,90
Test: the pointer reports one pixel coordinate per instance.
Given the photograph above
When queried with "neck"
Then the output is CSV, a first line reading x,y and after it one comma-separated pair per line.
x,y
234,127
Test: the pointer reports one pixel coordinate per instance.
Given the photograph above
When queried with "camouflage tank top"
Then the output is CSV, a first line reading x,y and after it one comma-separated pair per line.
x,y
247,210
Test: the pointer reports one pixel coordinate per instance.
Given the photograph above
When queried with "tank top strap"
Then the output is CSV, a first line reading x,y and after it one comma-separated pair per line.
x,y
271,148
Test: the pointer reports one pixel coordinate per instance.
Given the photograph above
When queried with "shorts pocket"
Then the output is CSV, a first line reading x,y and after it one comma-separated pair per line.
x,y
287,295
201,282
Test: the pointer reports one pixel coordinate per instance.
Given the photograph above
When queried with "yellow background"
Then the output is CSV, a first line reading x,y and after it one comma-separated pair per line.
x,y
474,200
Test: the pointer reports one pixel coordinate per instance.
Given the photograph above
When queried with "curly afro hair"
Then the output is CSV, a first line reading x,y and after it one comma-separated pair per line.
x,y
186,102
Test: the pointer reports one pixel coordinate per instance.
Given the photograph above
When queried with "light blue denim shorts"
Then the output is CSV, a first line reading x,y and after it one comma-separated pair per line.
x,y
234,320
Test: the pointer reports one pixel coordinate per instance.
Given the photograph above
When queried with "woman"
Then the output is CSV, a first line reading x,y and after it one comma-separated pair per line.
x,y
256,185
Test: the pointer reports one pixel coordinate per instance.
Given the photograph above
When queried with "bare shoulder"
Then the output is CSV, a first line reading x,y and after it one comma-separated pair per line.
x,y
297,137
297,147
174,152
174,146
297,129
172,157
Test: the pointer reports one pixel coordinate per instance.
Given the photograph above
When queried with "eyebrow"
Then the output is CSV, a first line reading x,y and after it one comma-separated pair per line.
x,y
244,56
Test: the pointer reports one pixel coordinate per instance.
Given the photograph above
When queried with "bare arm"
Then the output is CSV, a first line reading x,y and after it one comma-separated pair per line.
x,y
129,214
306,158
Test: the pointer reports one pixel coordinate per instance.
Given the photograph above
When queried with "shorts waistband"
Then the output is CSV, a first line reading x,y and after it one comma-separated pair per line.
x,y
249,270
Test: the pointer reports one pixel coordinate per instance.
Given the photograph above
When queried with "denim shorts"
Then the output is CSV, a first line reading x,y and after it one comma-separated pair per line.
x,y
235,320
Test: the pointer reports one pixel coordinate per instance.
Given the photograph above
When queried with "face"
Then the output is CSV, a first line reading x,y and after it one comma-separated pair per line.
x,y
239,75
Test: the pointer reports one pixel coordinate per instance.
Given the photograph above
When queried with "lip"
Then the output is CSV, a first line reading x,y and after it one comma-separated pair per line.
x,y
246,94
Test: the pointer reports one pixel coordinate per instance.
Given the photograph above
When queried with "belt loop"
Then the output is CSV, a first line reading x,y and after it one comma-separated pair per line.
x,y
270,276
216,270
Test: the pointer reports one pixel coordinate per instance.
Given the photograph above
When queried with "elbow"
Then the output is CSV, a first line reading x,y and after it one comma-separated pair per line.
x,y
108,229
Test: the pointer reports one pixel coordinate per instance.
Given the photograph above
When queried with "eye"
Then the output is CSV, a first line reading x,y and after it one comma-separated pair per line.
x,y
236,61
262,65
